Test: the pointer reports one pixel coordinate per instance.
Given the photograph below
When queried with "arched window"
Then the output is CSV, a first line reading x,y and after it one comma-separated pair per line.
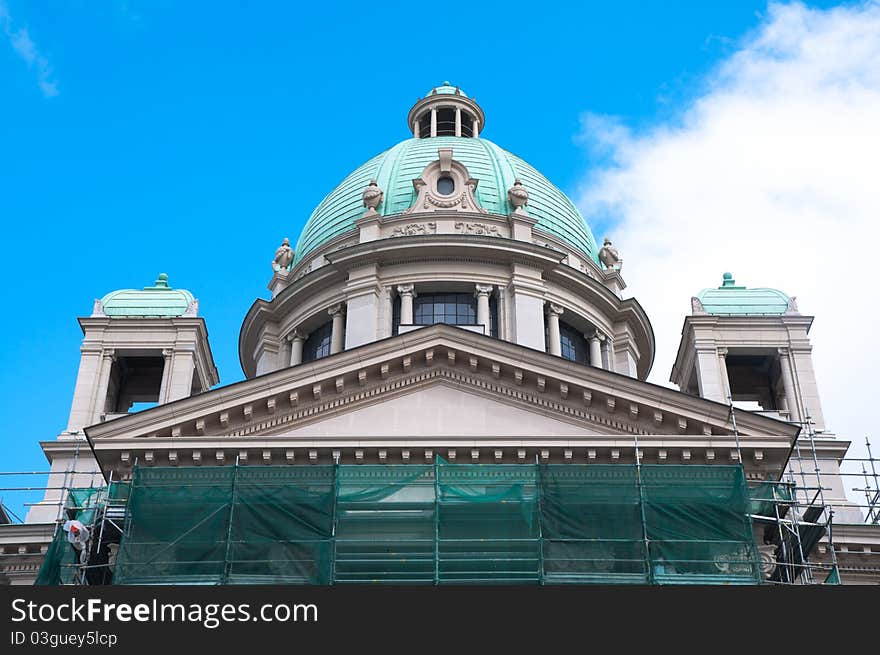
x,y
317,345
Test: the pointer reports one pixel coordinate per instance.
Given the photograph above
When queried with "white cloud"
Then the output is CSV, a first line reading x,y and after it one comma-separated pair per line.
x,y
25,48
773,173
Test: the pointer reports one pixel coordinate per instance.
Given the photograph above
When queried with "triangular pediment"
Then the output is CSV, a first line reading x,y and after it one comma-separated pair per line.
x,y
439,409
438,382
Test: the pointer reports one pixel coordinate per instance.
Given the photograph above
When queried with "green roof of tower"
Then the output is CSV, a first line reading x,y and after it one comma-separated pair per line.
x,y
157,301
447,88
496,169
730,299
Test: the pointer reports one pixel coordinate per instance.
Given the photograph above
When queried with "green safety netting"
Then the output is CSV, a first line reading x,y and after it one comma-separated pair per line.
x,y
60,563
238,525
441,523
768,496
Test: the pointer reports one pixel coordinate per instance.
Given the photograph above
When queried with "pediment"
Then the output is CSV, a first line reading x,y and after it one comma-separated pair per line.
x,y
437,384
436,409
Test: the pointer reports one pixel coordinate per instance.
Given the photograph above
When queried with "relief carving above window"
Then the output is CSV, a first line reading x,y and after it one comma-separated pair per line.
x,y
445,185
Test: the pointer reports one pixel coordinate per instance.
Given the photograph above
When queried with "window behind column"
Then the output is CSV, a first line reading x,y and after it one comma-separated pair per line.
x,y
449,308
574,346
317,345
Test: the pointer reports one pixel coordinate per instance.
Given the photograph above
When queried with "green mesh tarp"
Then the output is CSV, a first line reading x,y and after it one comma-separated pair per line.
x,y
488,523
766,497
385,524
215,525
440,523
697,525
60,564
592,524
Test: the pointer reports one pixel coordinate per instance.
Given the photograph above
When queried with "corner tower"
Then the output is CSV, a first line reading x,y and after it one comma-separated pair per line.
x,y
140,348
750,345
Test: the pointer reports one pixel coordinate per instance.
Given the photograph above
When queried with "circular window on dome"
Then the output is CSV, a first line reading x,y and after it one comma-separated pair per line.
x,y
445,186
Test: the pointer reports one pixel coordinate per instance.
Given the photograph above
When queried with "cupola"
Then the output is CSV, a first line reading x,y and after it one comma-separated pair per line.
x,y
446,111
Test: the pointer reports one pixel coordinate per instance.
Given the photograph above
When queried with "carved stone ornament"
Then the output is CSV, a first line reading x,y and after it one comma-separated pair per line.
x,y
372,197
517,196
768,559
98,308
414,229
697,306
445,185
737,562
192,309
609,256
792,307
283,256
478,229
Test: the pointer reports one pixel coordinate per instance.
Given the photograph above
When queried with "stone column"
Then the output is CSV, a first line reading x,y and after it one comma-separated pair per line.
x,y
81,409
387,313
596,339
167,354
433,122
296,339
553,334
416,128
476,127
526,309
183,366
482,293
725,381
337,335
788,385
458,121
608,354
407,293
108,356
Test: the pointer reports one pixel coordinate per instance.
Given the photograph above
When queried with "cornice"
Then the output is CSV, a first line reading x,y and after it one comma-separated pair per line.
x,y
417,247
26,533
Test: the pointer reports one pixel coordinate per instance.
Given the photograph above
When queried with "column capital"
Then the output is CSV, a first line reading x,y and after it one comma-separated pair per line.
x,y
595,335
783,351
722,352
406,289
553,309
336,310
483,289
295,335
109,353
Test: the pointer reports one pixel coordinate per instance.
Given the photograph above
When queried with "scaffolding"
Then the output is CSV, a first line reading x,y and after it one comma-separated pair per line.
x,y
440,523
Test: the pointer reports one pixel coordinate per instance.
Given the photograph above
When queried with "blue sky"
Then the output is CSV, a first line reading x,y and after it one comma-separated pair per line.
x,y
190,138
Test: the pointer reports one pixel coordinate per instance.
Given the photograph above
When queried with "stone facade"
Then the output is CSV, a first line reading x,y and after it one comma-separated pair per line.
x,y
551,367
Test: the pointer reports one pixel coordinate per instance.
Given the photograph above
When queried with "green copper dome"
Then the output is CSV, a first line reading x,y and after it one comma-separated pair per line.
x,y
447,88
157,301
496,169
731,299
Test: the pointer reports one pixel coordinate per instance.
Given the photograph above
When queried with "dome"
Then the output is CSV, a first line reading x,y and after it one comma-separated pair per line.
x,y
157,301
448,89
496,169
731,299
